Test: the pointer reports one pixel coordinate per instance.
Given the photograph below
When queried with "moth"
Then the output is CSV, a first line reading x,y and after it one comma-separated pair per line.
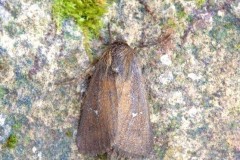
x,y
115,114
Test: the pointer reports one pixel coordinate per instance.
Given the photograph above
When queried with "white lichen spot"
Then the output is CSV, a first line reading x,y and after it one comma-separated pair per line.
x,y
165,59
236,8
7,130
176,98
166,78
82,88
194,77
185,123
34,149
40,155
4,14
155,118
78,89
2,119
134,114
192,112
220,13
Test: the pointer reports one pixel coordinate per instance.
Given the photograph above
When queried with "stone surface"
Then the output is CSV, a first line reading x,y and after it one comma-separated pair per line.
x,y
192,76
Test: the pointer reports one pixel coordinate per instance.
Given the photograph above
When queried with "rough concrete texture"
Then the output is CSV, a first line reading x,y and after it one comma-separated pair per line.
x,y
192,76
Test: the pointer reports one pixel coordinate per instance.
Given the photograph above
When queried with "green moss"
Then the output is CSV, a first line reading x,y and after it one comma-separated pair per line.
x,y
199,3
86,14
11,141
69,133
102,157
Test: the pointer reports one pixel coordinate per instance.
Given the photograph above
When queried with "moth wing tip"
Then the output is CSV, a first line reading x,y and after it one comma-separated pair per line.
x,y
127,154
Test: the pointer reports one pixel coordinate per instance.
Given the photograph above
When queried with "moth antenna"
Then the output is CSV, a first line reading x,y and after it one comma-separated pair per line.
x,y
144,44
164,40
148,9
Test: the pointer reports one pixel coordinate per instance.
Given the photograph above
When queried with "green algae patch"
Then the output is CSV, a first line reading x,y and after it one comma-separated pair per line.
x,y
17,126
87,15
180,11
3,91
237,46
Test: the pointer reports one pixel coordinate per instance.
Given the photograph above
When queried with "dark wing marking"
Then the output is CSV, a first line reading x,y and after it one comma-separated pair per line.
x,y
133,132
95,130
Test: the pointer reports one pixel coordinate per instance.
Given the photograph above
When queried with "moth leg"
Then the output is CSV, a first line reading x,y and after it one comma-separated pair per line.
x,y
77,79
148,9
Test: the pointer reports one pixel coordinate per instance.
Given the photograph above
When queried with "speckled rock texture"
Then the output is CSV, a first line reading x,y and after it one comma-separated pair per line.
x,y
192,76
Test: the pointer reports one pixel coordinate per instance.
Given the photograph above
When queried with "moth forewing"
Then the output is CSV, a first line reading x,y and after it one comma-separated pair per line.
x,y
115,114
133,135
95,130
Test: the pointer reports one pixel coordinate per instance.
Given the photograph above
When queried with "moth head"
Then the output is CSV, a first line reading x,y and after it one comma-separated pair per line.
x,y
121,57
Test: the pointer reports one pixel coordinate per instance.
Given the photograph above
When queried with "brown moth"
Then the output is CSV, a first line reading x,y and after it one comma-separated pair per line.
x,y
115,114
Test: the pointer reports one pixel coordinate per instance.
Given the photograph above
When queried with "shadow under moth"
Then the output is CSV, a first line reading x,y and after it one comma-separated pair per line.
x,y
115,114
